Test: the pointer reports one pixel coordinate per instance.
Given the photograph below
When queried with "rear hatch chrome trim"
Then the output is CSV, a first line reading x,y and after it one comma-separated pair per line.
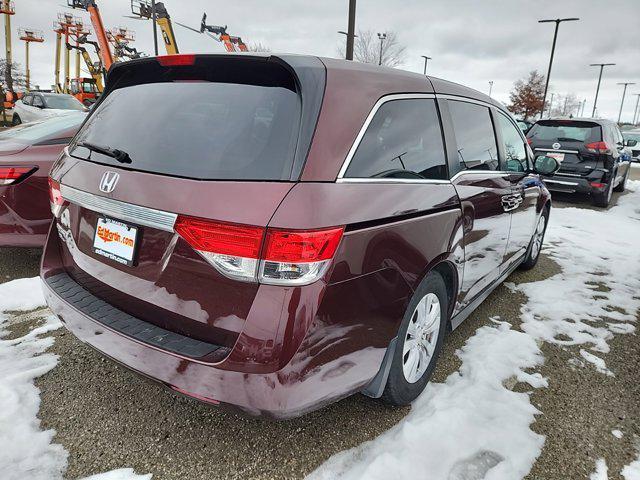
x,y
552,150
128,212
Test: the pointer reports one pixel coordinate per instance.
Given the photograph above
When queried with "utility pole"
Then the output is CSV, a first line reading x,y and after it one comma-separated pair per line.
x,y
624,92
351,30
550,105
635,110
7,8
382,37
426,59
155,26
490,86
595,101
564,108
584,102
557,21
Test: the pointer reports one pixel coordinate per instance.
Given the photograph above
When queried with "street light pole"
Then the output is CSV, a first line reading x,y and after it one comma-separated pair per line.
x,y
351,34
426,59
557,21
595,101
635,110
624,92
155,26
550,105
382,37
490,86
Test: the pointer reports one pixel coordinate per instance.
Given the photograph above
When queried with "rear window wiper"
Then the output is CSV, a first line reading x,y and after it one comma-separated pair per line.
x,y
119,155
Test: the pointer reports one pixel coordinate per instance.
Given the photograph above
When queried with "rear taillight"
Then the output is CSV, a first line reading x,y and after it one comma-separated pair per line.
x,y
272,256
529,141
55,196
298,257
232,249
598,147
11,175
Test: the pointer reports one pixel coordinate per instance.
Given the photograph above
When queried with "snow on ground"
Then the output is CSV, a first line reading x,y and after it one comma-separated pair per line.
x,y
26,451
471,427
632,471
601,471
617,433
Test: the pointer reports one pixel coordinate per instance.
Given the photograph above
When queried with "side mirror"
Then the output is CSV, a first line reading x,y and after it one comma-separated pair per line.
x,y
546,165
631,143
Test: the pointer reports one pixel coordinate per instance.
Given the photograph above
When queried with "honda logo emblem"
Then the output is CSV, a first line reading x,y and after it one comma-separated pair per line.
x,y
108,181
556,146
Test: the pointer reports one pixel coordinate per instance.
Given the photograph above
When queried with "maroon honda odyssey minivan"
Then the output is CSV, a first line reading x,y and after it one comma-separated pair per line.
x,y
278,232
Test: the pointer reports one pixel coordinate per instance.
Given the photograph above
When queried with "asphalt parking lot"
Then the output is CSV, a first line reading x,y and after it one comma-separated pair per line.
x,y
107,417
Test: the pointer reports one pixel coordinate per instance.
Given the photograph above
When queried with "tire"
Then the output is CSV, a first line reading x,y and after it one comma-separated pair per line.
x,y
16,120
535,246
623,183
402,387
602,199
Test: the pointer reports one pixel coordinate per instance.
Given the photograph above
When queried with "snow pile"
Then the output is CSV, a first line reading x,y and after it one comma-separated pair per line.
x,y
471,427
25,450
598,254
21,295
617,433
601,471
120,474
632,471
461,429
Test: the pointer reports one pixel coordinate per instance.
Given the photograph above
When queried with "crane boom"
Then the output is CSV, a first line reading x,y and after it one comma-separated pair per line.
x,y
96,19
143,9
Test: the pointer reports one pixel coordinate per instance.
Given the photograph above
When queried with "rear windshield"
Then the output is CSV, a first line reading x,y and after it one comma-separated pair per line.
x,y
35,132
63,102
566,131
631,136
198,129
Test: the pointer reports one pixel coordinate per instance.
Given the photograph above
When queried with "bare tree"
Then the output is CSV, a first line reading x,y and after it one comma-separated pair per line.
x,y
527,95
258,47
366,49
17,80
566,105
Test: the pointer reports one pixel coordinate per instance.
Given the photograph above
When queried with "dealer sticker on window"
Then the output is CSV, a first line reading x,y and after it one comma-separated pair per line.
x,y
115,240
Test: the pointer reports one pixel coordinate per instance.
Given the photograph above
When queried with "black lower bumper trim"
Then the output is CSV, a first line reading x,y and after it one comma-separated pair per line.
x,y
108,315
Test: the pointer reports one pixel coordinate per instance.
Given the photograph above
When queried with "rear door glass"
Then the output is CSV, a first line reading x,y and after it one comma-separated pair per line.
x,y
198,129
476,140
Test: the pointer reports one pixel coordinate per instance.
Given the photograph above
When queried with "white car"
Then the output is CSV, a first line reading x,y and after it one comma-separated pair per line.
x,y
632,140
41,105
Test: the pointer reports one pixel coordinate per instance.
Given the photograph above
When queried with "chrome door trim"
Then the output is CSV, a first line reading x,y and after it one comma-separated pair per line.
x,y
128,212
367,122
393,180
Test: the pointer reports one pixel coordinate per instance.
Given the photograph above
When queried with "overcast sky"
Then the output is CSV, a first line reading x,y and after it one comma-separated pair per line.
x,y
471,42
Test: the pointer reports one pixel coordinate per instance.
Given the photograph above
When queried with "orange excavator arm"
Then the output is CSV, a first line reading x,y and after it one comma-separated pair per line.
x,y
98,27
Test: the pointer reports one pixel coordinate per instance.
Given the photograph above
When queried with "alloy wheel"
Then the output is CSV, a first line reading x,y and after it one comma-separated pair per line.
x,y
538,237
421,338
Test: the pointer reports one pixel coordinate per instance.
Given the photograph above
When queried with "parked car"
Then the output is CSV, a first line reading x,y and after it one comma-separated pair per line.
x,y
632,140
26,155
275,246
40,105
592,154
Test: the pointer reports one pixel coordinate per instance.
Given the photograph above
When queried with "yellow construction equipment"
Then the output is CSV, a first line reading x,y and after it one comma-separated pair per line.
x,y
143,10
29,35
7,9
64,28
96,20
121,38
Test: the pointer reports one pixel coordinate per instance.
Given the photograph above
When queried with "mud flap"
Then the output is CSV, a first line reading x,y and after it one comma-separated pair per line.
x,y
375,388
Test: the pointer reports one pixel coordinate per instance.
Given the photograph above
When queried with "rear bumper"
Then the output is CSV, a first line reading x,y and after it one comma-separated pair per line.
x,y
570,184
337,352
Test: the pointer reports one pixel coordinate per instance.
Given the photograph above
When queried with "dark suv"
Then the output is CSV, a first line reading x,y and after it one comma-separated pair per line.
x,y
592,155
279,232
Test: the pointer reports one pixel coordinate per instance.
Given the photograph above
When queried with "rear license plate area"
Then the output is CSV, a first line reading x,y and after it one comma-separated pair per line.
x,y
115,240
